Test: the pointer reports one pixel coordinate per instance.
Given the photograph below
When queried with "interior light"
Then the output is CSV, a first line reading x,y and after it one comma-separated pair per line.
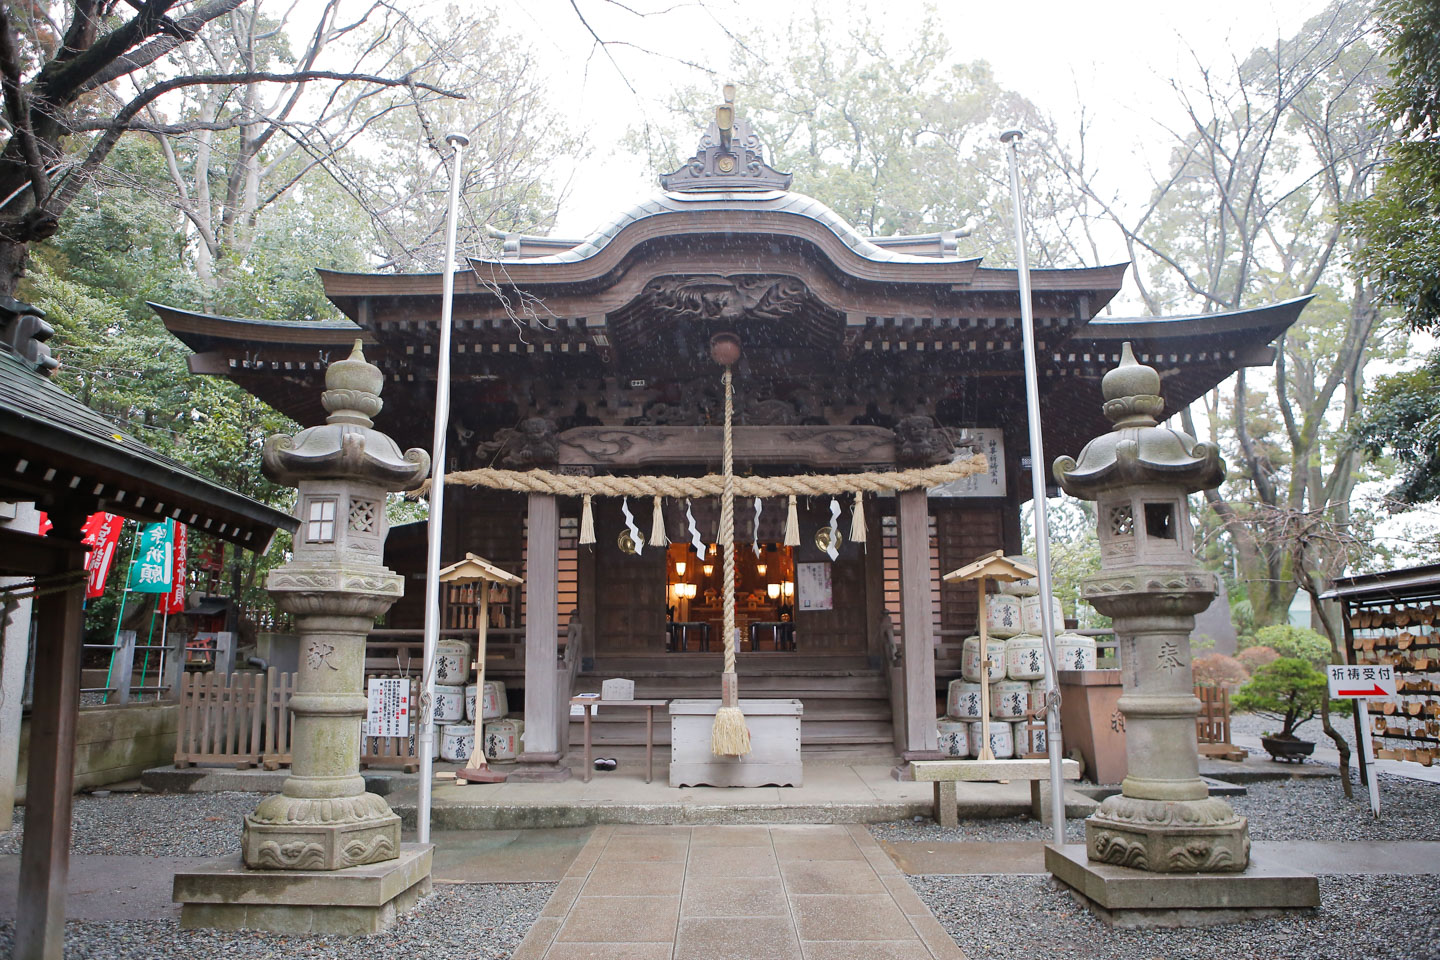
x,y
772,590
709,568
789,588
760,568
679,568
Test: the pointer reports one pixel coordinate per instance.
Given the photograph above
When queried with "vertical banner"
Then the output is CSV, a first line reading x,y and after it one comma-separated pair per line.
x,y
174,601
102,535
153,567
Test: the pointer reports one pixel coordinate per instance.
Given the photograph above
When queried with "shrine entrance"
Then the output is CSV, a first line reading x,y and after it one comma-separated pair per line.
x,y
764,598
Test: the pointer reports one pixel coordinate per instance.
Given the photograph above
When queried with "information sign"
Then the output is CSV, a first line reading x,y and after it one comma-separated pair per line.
x,y
1368,680
388,713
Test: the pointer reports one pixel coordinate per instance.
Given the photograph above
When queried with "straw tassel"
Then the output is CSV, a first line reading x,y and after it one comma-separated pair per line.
x,y
857,520
792,525
657,526
587,521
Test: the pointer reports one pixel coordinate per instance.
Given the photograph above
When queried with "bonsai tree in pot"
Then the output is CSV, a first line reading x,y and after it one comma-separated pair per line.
x,y
1288,690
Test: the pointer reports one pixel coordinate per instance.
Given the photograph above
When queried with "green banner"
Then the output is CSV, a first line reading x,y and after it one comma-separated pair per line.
x,y
154,560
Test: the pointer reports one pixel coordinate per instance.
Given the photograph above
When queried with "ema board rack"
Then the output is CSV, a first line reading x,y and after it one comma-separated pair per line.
x,y
1394,619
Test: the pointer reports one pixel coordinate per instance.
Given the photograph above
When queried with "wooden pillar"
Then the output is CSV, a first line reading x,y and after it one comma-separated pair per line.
x,y
542,568
918,631
45,856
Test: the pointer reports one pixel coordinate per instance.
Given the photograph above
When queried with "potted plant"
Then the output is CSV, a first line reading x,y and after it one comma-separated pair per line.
x,y
1288,690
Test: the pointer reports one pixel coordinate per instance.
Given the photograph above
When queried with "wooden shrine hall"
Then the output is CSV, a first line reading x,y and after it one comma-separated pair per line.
x,y
858,353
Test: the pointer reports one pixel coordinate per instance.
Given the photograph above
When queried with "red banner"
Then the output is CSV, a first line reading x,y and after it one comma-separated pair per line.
x,y
102,535
174,601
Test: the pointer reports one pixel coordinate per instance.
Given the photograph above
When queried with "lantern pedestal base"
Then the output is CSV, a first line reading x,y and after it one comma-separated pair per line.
x,y
224,894
1168,836
1138,899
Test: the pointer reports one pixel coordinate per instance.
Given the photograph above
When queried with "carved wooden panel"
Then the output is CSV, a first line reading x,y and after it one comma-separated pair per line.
x,y
963,533
819,447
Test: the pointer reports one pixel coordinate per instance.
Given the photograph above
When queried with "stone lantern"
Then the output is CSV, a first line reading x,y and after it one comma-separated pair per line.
x,y
324,855
335,585
1139,476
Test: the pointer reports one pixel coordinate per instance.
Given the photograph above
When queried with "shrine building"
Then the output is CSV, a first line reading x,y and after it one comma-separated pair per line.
x,y
591,356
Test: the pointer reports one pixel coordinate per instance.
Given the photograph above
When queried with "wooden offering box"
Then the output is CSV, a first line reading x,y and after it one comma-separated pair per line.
x,y
774,757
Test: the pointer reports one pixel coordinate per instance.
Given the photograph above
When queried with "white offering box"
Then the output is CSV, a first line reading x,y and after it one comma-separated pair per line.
x,y
774,756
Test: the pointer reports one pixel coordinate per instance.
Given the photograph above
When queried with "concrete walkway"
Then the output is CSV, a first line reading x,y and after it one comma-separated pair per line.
x,y
823,892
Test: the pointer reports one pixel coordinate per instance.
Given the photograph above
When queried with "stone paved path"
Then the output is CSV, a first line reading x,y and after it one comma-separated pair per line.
x,y
735,893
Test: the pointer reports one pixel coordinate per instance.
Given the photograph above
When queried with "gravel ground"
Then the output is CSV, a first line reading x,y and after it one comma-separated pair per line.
x,y
464,922
1254,725
148,824
1029,918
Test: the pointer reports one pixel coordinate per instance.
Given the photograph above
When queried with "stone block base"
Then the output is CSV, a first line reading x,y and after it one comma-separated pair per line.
x,y
225,895
1127,897
539,768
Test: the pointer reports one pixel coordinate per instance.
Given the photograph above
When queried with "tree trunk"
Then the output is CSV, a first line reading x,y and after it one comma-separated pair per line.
x,y
12,265
1341,745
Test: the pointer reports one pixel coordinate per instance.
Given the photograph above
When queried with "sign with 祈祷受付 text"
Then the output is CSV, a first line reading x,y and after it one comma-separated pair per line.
x,y
1368,680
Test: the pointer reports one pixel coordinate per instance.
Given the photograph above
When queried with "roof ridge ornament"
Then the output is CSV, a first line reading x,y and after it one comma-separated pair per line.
x,y
730,157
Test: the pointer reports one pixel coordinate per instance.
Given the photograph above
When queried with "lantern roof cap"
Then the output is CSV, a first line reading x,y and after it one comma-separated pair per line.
x,y
346,446
1138,450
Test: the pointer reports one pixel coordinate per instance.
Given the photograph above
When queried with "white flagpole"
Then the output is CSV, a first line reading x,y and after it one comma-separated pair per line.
x,y
1037,492
426,738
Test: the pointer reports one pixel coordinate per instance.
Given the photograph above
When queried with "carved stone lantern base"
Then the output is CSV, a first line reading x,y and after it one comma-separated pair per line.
x,y
290,833
1168,836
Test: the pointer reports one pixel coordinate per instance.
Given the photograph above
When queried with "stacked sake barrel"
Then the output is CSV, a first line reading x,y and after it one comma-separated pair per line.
x,y
1016,676
461,706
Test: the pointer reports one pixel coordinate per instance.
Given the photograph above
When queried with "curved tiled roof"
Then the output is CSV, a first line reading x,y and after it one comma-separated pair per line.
x,y
769,201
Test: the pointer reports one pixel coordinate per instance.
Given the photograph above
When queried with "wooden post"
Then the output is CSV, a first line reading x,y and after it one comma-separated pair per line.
x,y
45,856
542,561
981,619
913,520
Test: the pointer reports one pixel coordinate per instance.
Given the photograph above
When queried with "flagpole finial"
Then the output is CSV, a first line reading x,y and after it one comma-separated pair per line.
x,y
1014,133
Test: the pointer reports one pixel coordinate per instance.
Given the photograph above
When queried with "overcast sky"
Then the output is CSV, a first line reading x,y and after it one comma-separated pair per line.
x,y
1118,57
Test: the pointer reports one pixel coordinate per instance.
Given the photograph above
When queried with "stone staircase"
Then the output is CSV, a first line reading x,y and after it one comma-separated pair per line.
x,y
846,701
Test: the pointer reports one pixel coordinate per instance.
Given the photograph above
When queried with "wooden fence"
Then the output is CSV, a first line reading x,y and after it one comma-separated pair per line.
x,y
221,719
244,719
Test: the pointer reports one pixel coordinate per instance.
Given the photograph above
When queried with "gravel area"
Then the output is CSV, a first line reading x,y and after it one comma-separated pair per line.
x,y
463,922
150,824
1030,918
1254,725
1310,809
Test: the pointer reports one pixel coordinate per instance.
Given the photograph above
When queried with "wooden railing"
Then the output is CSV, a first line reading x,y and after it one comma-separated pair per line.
x,y
1213,723
244,719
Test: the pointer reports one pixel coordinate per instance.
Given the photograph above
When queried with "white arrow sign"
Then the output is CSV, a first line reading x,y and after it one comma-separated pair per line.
x,y
1373,680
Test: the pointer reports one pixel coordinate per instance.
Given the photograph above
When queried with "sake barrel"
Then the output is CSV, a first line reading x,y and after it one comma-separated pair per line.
x,y
962,700
470,691
1021,588
954,737
457,741
1002,615
1028,741
502,739
452,662
1074,652
1009,698
496,703
1030,614
970,659
449,704
1002,740
1024,657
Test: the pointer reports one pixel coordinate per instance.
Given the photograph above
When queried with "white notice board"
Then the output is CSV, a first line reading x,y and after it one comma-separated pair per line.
x,y
388,712
991,483
812,585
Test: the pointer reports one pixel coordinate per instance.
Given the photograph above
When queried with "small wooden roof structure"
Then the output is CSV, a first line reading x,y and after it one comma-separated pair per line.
x,y
993,566
474,568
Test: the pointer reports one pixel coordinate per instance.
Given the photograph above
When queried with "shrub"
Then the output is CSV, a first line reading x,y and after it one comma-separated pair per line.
x,y
1218,670
1289,690
1301,643
1253,658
